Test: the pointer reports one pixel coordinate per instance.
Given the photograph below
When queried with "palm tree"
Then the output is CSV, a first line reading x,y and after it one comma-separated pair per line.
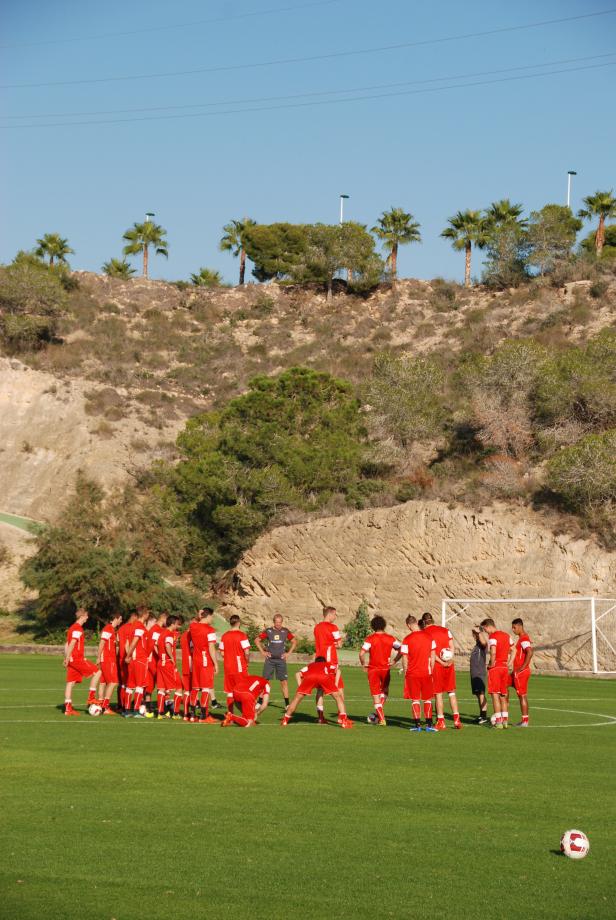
x,y
233,241
396,228
206,277
54,247
502,213
118,268
466,228
601,205
141,236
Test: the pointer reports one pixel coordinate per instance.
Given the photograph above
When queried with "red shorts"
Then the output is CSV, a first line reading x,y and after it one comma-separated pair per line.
x,y
77,670
444,679
202,676
378,680
168,678
520,682
137,674
310,683
499,679
151,677
109,670
418,687
247,703
230,678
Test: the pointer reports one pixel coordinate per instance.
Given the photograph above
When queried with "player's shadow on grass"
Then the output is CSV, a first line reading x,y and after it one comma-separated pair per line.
x,y
557,853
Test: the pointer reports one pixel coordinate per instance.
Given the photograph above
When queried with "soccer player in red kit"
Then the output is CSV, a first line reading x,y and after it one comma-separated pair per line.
x,y
186,650
107,661
499,648
521,668
154,627
444,676
418,654
168,679
247,690
234,646
319,676
375,658
125,634
327,641
137,657
204,662
77,666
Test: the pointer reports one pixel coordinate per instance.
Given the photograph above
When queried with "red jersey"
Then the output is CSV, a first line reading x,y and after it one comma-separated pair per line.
x,y
166,638
141,651
250,683
441,636
186,649
325,637
234,645
418,647
201,635
521,647
125,635
380,646
75,634
501,642
319,669
155,640
108,638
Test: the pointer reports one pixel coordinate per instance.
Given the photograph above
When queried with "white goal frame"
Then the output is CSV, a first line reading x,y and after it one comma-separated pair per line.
x,y
591,601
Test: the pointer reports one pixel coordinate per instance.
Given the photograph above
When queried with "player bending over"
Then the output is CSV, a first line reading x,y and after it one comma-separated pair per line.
x,y
444,676
319,676
204,664
375,658
521,668
168,679
499,646
77,666
418,654
327,641
247,689
107,661
234,647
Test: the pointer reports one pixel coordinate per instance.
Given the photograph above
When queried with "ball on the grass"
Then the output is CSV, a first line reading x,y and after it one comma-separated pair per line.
x,y
371,718
447,654
493,719
94,709
142,710
575,844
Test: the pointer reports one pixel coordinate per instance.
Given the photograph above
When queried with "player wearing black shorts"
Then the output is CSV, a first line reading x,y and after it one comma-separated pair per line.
x,y
275,653
478,672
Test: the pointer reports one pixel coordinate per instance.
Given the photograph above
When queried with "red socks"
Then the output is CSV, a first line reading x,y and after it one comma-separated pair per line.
x,y
138,699
427,710
379,712
161,702
177,702
416,708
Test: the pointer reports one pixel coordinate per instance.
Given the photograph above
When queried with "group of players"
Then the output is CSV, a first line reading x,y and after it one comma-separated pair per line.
x,y
137,659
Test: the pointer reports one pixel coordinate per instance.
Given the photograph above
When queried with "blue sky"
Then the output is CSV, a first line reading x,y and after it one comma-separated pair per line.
x,y
431,153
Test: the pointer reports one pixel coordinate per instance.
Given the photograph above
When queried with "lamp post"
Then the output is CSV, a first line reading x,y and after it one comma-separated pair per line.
x,y
148,216
570,173
342,200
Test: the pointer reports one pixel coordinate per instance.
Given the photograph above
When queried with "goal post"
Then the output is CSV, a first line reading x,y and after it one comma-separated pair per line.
x,y
571,634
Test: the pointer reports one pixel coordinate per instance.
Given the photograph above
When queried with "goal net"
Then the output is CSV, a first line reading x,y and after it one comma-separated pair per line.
x,y
574,634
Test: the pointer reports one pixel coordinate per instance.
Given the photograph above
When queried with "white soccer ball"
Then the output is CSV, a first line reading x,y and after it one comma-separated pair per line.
x,y
371,718
142,710
493,719
94,709
447,654
575,844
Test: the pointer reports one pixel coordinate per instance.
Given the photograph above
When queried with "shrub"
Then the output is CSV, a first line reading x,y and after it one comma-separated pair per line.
x,y
598,288
25,333
358,628
584,475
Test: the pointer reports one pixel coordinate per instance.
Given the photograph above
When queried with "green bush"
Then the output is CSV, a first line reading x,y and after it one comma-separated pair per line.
x,y
31,300
359,627
26,333
584,475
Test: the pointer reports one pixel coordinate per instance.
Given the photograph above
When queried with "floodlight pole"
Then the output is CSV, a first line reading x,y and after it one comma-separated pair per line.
x,y
342,200
593,627
570,173
148,216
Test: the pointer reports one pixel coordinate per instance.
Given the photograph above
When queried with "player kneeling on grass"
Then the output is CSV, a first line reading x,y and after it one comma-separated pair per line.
x,y
78,667
168,679
520,674
418,654
375,658
319,676
107,661
247,690
444,675
499,646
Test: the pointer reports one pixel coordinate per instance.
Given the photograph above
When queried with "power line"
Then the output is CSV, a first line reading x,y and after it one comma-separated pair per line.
x,y
177,25
356,89
270,108
310,58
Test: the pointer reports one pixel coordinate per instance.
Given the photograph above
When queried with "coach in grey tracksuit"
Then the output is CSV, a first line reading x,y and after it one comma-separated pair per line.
x,y
275,653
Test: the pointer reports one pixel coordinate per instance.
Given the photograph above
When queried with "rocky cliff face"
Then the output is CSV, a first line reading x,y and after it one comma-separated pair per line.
x,y
406,559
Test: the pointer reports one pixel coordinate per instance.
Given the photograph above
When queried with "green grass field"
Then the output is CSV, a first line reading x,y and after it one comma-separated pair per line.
x,y
110,818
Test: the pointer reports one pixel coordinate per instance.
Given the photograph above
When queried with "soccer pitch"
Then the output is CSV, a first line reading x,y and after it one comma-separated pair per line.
x,y
128,819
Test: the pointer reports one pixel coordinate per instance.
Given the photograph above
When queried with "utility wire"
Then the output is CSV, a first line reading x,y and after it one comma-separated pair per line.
x,y
310,58
295,105
177,25
333,92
